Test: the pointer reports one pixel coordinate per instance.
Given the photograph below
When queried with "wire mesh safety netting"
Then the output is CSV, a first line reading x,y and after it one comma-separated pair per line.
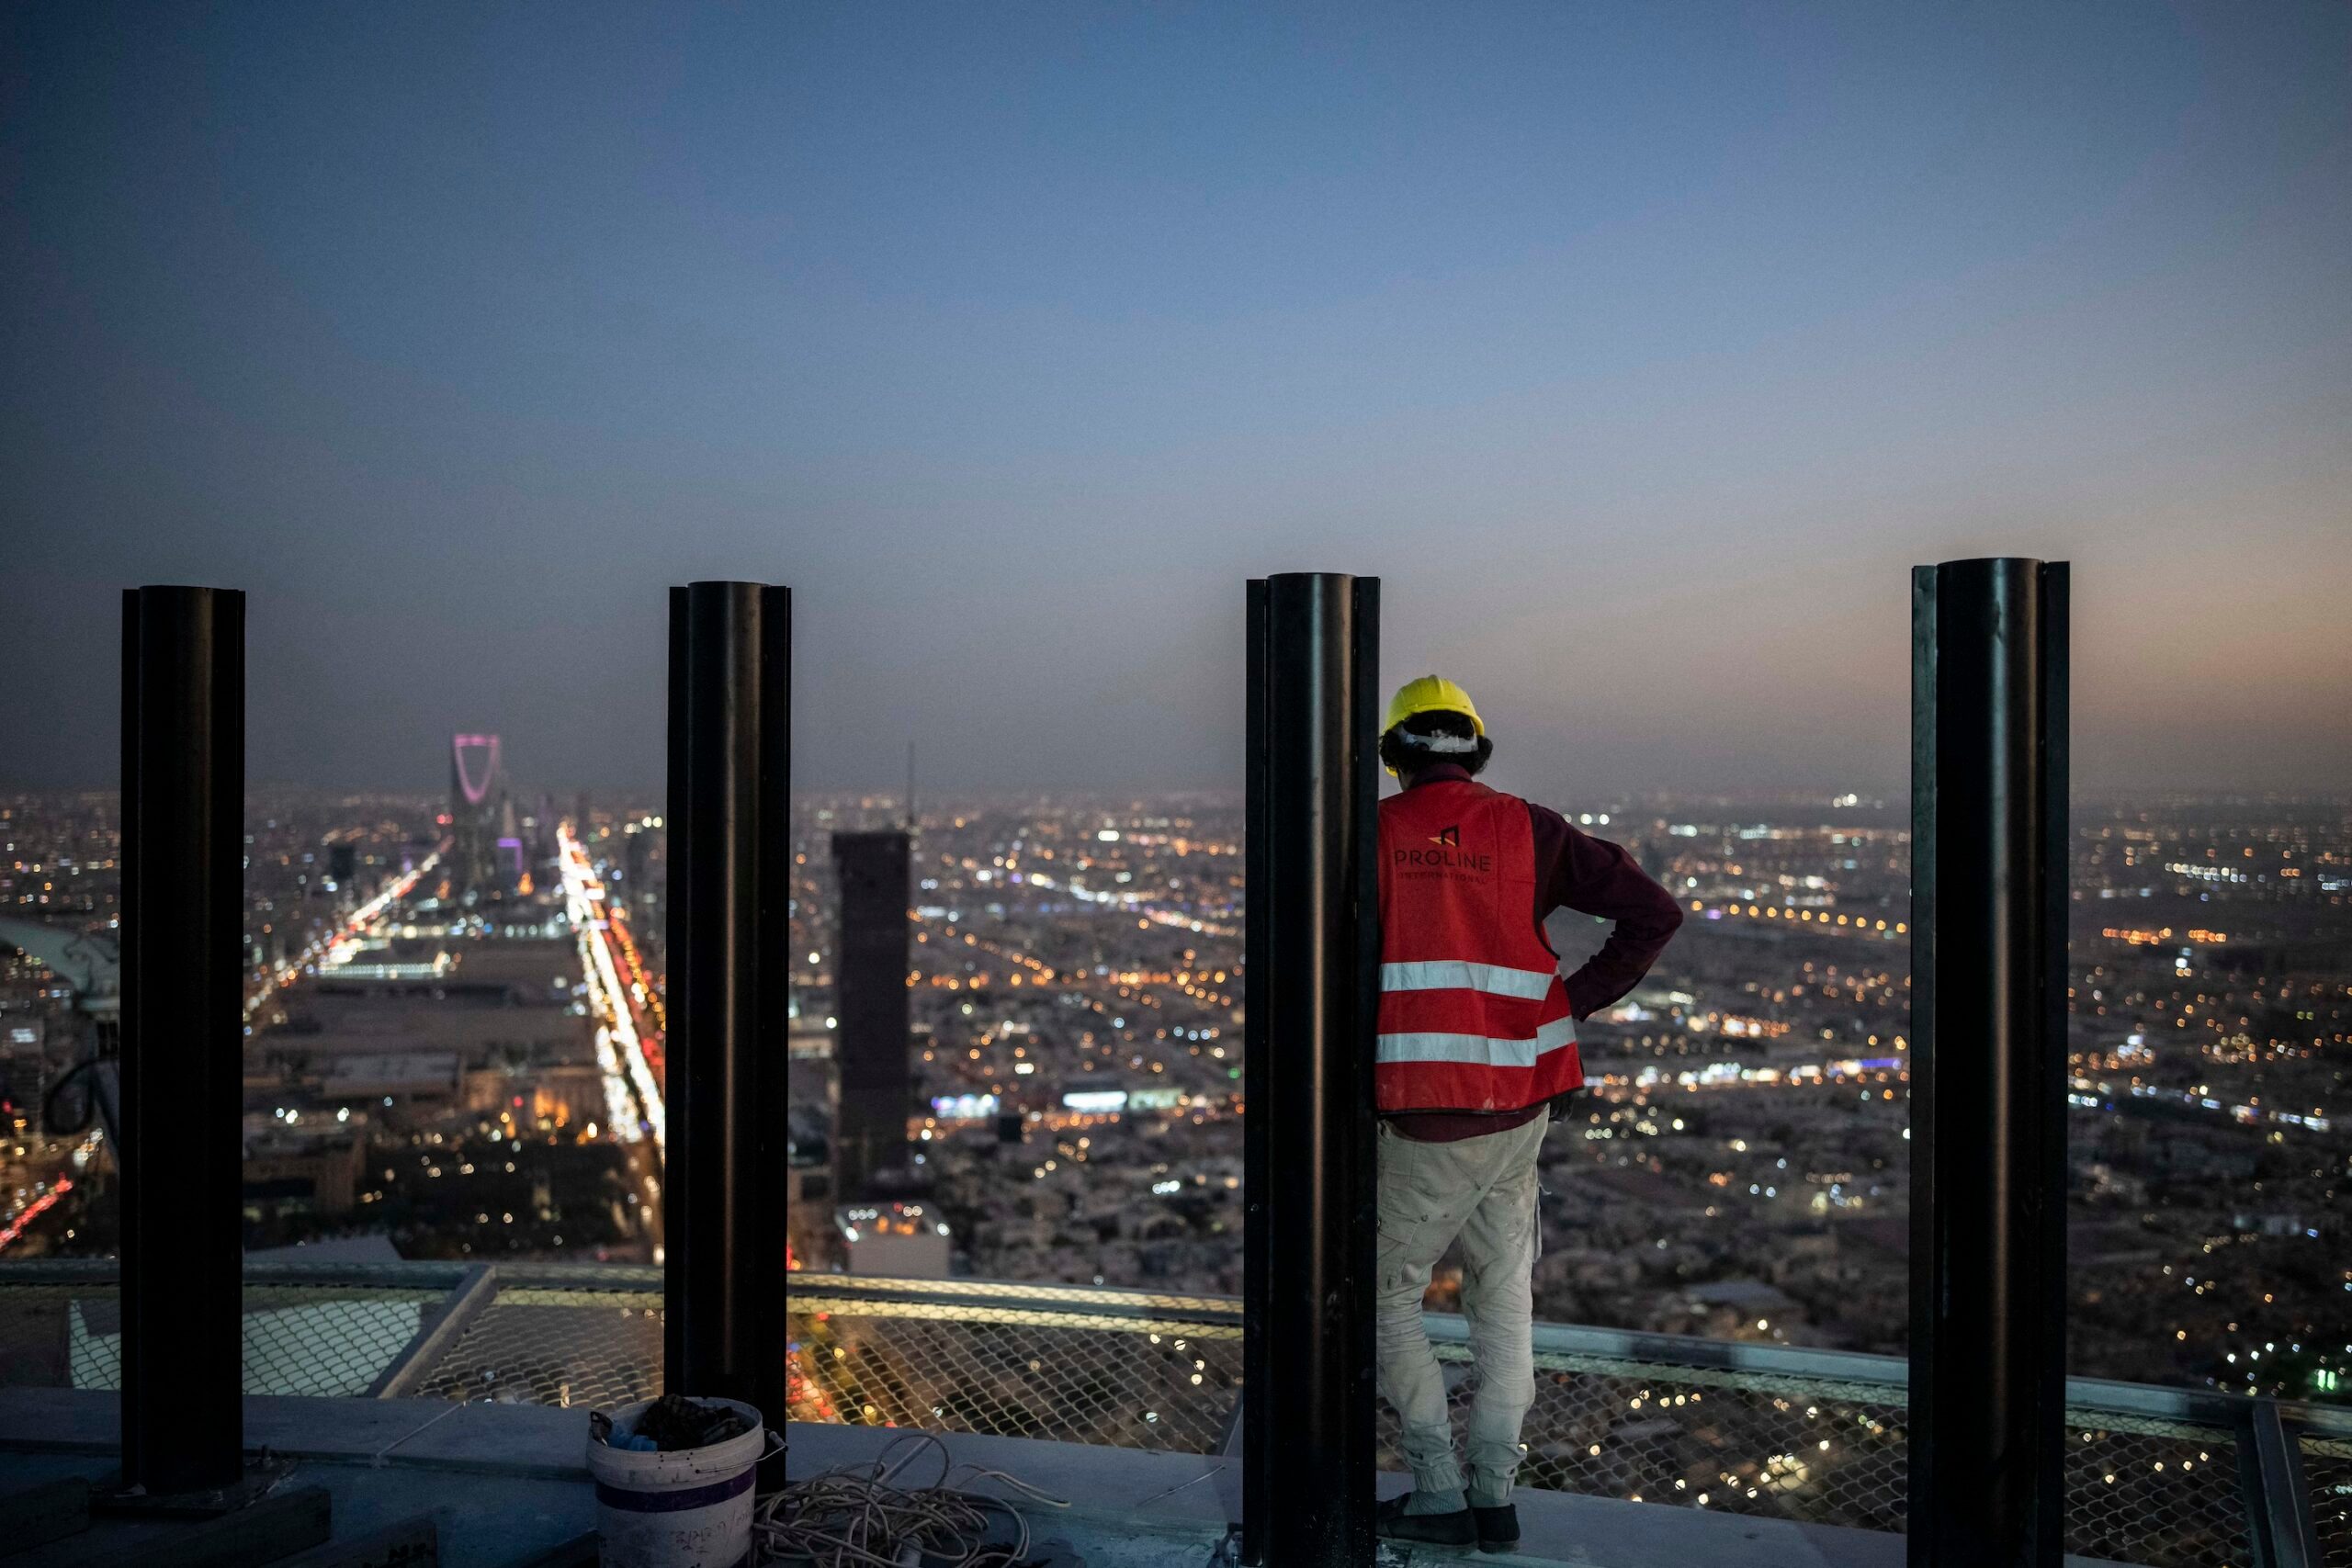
x,y
2327,1470
1163,1373
2156,1492
305,1337
1834,1452
45,1339
554,1345
1815,1451
1139,1382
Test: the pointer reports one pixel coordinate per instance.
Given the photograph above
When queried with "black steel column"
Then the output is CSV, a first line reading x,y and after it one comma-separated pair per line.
x,y
1311,986
730,889
1988,1060
182,1036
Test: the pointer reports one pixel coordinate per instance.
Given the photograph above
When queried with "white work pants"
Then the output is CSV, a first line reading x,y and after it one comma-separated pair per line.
x,y
1482,1190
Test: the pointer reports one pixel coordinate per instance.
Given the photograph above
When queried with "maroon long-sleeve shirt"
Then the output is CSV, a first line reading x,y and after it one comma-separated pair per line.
x,y
1573,870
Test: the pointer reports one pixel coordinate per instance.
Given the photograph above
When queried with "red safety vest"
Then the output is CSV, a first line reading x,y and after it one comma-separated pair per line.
x,y
1473,1014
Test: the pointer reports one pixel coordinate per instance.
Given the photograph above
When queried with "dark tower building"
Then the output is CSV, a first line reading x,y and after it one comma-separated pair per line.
x,y
645,879
1651,850
870,988
637,859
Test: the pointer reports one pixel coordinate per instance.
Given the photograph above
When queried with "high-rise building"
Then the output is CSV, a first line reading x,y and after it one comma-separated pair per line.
x,y
645,878
870,984
476,816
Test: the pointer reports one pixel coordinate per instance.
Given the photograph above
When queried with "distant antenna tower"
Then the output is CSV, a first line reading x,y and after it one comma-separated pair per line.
x,y
910,786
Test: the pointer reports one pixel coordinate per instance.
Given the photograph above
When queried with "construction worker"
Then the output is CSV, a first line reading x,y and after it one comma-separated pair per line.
x,y
1475,1047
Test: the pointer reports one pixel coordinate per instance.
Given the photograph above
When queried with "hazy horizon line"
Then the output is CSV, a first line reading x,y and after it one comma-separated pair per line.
x,y
1825,797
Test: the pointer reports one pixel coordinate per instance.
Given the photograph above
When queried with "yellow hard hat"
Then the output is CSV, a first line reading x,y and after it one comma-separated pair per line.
x,y
1430,694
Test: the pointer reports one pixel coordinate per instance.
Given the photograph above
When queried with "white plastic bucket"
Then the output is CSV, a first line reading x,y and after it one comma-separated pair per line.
x,y
687,1509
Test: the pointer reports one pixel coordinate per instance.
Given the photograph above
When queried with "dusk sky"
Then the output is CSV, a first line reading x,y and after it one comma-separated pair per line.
x,y
1641,349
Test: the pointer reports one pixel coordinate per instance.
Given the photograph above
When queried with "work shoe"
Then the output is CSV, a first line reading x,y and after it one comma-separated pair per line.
x,y
1497,1527
1438,1529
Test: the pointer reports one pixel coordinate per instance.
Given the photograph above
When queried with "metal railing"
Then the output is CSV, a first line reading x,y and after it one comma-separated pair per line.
x,y
2174,1478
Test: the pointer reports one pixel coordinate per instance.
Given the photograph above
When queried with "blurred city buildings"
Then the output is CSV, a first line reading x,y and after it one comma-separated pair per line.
x,y
483,1080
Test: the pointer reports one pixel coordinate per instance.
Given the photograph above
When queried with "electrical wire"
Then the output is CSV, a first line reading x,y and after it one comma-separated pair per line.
x,y
869,1516
70,1090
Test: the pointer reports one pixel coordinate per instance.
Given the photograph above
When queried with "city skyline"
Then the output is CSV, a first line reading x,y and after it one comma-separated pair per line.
x,y
1738,1169
1641,355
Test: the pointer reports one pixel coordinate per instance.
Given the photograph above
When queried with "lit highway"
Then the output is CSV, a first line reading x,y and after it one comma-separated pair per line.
x,y
358,926
1139,905
29,1203
632,1088
2100,1095
41,1194
1822,923
33,1209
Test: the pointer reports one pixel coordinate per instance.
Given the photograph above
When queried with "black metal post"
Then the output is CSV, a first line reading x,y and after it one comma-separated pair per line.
x,y
731,887
1988,1060
183,1037
1310,986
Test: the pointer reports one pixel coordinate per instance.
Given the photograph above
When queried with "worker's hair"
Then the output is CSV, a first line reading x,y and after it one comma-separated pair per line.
x,y
1435,736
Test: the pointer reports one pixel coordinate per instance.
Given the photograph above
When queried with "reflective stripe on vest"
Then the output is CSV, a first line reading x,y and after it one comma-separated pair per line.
x,y
1481,1049
1460,974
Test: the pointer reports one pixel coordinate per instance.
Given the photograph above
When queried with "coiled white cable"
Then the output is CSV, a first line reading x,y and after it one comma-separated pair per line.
x,y
866,1517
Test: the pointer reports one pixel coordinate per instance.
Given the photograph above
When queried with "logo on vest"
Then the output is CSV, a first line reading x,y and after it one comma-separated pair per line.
x,y
1447,859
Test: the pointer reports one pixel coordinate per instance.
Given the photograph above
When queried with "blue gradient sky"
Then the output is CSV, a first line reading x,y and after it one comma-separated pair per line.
x,y
1640,348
